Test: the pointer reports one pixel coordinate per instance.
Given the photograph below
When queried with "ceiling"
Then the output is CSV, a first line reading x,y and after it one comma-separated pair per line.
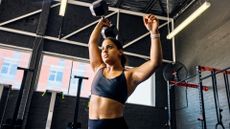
x,y
131,29
158,7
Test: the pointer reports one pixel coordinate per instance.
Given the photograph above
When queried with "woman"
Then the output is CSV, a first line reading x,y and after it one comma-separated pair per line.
x,y
112,82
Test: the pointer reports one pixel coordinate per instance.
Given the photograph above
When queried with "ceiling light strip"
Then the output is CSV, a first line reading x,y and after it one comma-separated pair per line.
x,y
187,21
63,7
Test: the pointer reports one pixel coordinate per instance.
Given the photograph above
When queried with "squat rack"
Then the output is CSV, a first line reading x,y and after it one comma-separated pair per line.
x,y
201,89
214,72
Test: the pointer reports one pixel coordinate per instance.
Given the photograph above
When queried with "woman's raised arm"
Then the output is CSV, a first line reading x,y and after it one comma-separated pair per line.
x,y
144,71
94,52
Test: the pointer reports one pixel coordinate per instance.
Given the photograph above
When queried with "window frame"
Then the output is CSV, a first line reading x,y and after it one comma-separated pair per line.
x,y
20,50
72,58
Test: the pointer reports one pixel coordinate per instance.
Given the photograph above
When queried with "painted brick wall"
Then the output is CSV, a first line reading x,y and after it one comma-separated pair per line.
x,y
204,42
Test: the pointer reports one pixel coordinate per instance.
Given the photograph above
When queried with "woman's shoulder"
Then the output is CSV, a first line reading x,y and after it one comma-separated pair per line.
x,y
131,74
99,68
128,71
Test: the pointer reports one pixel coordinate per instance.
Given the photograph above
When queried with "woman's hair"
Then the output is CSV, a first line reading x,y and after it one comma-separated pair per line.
x,y
119,46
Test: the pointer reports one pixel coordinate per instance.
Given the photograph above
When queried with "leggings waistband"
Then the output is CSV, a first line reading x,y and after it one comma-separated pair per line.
x,y
115,123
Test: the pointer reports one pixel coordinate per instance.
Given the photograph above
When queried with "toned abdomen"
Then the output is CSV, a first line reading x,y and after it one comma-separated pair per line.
x,y
104,108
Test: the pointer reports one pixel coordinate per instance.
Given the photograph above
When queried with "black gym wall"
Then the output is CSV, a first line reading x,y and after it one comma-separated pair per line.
x,y
204,42
137,116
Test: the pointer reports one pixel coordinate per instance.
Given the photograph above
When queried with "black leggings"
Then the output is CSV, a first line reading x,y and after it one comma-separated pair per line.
x,y
116,123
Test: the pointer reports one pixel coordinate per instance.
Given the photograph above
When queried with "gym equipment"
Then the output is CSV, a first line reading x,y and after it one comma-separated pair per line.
x,y
213,74
2,87
5,103
75,124
173,72
226,82
1,90
202,117
15,122
110,31
176,76
216,100
99,8
51,107
186,84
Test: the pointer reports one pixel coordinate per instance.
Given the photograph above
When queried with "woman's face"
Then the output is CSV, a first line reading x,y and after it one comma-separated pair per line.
x,y
110,53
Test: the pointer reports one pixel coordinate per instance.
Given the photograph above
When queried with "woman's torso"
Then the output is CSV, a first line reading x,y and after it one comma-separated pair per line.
x,y
104,107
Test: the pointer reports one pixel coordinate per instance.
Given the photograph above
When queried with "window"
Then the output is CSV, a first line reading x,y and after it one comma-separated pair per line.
x,y
5,68
55,75
144,94
10,59
61,76
9,69
84,70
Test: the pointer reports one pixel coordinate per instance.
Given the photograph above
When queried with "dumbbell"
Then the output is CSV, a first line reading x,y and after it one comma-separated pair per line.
x,y
99,8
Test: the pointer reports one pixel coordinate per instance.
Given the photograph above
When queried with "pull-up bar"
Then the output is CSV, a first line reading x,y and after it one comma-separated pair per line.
x,y
217,71
186,84
206,68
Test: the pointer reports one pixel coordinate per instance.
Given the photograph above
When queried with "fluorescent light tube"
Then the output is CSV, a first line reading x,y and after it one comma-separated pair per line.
x,y
63,7
187,21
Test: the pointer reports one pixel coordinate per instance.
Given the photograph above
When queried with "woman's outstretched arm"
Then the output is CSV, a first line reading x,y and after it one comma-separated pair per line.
x,y
144,71
94,52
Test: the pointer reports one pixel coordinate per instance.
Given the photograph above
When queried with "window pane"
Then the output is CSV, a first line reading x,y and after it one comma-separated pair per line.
x,y
52,76
81,69
59,74
5,68
60,71
59,77
13,69
148,88
9,60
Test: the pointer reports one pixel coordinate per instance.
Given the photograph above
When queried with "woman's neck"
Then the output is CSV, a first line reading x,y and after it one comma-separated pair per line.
x,y
114,67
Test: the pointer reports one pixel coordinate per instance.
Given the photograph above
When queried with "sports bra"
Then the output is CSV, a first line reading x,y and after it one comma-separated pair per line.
x,y
115,88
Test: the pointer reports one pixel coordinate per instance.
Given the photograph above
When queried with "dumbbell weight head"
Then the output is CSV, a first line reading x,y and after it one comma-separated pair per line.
x,y
99,8
110,31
